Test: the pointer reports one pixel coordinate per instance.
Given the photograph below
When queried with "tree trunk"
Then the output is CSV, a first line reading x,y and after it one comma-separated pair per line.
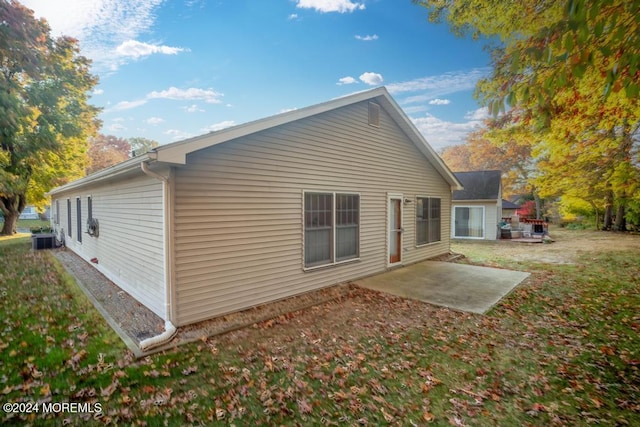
x,y
536,198
607,222
621,222
595,209
10,222
11,208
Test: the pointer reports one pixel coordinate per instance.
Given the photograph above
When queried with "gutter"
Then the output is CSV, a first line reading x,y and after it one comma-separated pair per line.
x,y
170,329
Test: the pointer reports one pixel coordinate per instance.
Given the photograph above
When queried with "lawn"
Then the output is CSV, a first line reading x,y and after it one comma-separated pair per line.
x,y
28,224
562,349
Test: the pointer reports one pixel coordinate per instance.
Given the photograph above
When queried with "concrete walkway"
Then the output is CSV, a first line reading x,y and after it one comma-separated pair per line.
x,y
458,286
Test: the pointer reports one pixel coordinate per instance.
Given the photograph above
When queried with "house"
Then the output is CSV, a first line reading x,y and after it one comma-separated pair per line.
x,y
509,209
265,210
29,212
477,209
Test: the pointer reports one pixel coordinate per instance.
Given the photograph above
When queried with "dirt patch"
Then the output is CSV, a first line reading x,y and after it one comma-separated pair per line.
x,y
568,247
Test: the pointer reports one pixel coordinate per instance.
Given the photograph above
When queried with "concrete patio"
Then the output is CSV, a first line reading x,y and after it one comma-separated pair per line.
x,y
458,286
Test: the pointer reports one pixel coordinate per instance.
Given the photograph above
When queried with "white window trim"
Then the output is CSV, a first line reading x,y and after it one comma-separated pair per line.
x,y
453,222
415,235
333,227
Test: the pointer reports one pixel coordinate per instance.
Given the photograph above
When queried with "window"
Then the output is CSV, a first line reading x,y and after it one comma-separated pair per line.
x,y
57,213
469,222
69,217
89,209
427,220
331,228
347,222
79,219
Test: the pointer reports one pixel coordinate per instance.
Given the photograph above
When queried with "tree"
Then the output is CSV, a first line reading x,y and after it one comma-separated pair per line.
x,y
493,147
569,74
45,118
105,151
141,145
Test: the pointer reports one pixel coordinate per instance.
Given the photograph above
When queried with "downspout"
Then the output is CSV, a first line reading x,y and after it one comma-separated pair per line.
x,y
169,328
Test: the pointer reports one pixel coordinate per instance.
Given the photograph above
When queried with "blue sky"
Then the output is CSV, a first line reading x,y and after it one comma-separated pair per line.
x,y
173,69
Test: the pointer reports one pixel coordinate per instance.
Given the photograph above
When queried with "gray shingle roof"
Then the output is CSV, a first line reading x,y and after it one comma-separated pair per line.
x,y
509,205
478,185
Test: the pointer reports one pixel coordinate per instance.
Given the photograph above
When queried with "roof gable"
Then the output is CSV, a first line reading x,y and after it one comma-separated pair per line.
x,y
176,153
478,185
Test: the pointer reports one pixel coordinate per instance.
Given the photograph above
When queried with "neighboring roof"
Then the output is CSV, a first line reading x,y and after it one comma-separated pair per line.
x,y
478,185
508,205
176,153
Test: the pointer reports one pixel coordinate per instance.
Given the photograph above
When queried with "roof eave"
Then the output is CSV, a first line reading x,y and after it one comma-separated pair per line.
x,y
104,174
476,200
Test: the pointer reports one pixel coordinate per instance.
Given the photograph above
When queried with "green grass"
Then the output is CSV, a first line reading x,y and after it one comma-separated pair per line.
x,y
562,349
29,223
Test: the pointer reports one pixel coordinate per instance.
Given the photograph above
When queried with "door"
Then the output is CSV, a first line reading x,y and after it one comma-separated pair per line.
x,y
395,230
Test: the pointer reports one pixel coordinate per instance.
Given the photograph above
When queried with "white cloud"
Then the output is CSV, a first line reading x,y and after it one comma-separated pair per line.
x,y
207,95
441,133
126,105
438,101
347,81
426,88
154,120
367,38
177,135
323,6
116,127
99,25
136,49
219,126
98,91
478,114
371,79
293,17
193,109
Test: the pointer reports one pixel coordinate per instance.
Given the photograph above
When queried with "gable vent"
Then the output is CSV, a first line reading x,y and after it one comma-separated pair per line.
x,y
374,114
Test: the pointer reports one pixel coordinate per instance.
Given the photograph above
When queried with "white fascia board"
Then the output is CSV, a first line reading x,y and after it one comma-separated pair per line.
x,y
104,174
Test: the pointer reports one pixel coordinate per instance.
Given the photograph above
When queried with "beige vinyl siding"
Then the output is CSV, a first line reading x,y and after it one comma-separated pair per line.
x,y
491,221
239,207
130,245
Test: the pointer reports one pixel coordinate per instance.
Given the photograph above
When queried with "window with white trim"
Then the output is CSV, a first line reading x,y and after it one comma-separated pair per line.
x,y
468,222
69,217
331,228
79,219
428,223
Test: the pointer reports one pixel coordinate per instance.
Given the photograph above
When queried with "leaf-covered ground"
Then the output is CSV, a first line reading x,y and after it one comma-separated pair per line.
x,y
562,349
